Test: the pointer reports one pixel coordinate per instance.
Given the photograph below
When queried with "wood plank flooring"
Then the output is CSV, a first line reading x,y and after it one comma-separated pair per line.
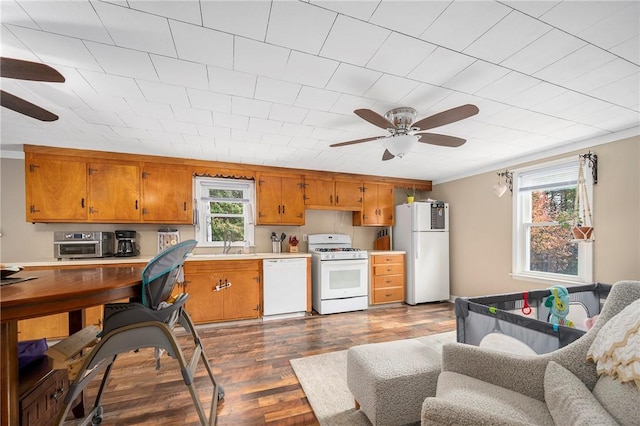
x,y
251,361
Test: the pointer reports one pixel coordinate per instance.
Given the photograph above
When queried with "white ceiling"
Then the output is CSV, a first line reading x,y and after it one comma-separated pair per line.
x,y
276,82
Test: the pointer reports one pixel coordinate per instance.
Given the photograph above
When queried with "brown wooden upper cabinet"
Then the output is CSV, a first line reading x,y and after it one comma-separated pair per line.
x,y
114,192
334,195
377,206
280,200
167,194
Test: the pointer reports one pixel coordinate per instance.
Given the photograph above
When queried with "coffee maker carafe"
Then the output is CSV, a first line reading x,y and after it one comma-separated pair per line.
x,y
126,243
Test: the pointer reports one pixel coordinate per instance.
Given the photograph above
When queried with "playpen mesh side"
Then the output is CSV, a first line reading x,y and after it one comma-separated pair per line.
x,y
481,316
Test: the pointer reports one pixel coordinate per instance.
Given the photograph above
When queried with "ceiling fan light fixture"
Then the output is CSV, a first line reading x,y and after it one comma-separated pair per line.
x,y
399,145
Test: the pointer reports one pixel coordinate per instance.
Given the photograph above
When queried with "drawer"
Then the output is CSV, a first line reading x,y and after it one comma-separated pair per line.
x,y
385,281
42,404
388,295
390,269
387,258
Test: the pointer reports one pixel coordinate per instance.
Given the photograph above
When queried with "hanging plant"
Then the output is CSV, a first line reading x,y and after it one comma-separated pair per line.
x,y
583,222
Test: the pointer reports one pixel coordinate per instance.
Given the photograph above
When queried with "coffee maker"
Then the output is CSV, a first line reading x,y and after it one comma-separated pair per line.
x,y
126,243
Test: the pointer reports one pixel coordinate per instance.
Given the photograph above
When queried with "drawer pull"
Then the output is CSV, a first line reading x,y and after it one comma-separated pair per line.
x,y
58,393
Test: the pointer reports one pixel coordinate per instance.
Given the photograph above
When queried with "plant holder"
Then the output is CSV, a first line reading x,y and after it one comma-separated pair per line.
x,y
583,229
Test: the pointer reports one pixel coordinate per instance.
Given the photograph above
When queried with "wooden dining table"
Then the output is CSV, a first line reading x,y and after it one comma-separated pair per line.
x,y
53,291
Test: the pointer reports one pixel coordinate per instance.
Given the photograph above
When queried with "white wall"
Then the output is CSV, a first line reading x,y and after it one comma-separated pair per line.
x,y
481,224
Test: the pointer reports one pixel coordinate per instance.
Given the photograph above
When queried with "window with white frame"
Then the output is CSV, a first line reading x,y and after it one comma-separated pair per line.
x,y
542,248
225,211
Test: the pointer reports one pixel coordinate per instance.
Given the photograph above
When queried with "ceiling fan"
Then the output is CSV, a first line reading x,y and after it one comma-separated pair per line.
x,y
405,131
26,70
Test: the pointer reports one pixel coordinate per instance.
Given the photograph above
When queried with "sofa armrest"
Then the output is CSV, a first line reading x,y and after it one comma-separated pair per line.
x,y
439,411
520,373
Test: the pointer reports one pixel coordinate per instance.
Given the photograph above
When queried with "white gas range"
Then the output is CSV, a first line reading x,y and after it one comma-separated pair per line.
x,y
340,274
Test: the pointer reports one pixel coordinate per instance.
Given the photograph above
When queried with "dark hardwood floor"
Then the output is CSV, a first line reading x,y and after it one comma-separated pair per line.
x,y
251,361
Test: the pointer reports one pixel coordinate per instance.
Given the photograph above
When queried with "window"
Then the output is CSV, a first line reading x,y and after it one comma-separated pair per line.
x,y
225,211
543,250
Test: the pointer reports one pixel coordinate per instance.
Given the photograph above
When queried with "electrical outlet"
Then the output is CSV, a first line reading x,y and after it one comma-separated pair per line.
x,y
304,237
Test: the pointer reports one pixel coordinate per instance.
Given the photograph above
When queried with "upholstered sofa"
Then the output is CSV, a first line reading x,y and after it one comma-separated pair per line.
x,y
479,386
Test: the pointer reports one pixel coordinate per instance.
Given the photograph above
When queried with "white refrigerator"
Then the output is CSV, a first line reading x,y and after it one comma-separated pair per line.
x,y
422,230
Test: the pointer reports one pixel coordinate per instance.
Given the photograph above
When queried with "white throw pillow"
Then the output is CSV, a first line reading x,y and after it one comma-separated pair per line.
x,y
569,401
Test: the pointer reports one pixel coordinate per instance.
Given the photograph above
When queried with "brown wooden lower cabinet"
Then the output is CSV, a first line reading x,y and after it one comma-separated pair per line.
x,y
387,278
41,393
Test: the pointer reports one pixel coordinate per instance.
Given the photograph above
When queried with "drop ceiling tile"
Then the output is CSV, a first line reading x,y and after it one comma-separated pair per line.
x,y
179,72
299,26
250,107
511,34
12,47
352,80
48,93
440,66
463,22
623,92
574,65
190,39
255,57
317,99
107,118
309,70
101,102
613,118
122,61
577,16
135,121
232,121
508,86
334,121
543,52
606,74
390,88
400,54
561,102
362,9
231,82
12,13
123,25
424,96
534,8
353,41
186,11
324,134
176,126
346,104
164,93
296,130
576,132
629,50
112,85
244,18
287,113
166,137
129,132
73,19
154,110
192,115
579,111
262,125
247,136
277,91
203,99
410,18
55,49
535,95
616,28
223,133
477,76
271,139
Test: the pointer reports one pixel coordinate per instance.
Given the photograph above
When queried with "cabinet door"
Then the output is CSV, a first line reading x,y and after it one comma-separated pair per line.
x,y
51,326
114,192
56,190
166,194
386,204
292,197
204,303
242,298
269,206
370,214
348,195
318,193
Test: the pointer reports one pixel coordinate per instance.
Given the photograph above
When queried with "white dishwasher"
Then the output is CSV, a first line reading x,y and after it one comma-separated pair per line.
x,y
285,286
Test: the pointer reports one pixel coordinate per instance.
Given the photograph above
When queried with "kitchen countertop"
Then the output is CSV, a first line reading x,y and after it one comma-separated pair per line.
x,y
146,259
383,252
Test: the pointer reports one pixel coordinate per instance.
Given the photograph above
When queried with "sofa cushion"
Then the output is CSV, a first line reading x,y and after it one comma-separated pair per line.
x,y
569,401
621,400
470,392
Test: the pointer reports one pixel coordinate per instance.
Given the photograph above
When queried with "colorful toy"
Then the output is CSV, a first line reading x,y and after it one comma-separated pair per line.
x,y
589,322
558,304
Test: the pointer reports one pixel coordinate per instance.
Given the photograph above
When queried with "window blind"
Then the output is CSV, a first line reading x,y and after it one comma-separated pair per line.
x,y
556,176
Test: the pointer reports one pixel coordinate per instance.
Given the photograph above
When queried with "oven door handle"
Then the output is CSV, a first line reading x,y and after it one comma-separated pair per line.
x,y
76,242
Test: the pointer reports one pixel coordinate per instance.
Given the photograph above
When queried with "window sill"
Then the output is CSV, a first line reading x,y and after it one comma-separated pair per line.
x,y
548,280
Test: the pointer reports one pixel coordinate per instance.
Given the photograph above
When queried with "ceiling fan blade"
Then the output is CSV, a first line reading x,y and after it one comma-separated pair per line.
x,y
446,117
440,140
374,118
27,70
387,155
27,108
357,141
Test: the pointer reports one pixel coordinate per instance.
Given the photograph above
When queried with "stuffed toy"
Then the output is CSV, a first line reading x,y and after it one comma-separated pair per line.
x,y
589,322
558,304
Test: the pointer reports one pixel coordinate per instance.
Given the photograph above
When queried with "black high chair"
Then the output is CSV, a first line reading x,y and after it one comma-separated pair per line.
x,y
146,323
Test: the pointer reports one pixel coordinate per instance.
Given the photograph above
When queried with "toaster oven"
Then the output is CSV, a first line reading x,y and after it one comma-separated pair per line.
x,y
78,245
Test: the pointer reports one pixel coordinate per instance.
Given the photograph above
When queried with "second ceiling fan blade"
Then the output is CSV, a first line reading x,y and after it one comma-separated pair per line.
x,y
27,70
356,141
374,118
387,155
27,108
446,117
440,140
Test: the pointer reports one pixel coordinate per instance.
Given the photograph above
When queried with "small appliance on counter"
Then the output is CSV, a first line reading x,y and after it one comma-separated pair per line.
x,y
83,244
126,246
167,238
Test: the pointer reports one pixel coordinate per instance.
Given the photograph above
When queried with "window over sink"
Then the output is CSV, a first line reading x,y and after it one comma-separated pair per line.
x,y
225,211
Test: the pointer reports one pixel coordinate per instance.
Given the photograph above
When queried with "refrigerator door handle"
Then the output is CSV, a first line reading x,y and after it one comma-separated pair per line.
x,y
416,245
